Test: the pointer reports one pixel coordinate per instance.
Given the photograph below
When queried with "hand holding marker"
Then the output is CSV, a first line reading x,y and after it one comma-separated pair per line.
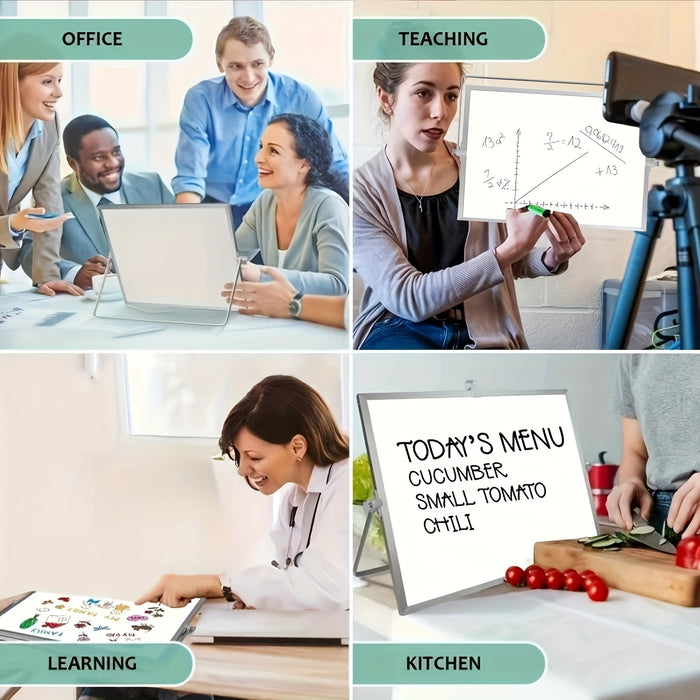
x,y
538,210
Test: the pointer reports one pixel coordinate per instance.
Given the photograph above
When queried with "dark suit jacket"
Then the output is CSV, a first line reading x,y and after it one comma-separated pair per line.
x,y
83,236
43,179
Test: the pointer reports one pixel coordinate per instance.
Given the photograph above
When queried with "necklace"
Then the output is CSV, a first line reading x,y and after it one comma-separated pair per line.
x,y
425,187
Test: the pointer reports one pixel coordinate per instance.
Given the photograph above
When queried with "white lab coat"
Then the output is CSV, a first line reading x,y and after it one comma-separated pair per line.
x,y
320,578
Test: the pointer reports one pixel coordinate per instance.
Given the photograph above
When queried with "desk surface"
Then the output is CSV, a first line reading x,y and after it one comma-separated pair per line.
x,y
269,672
627,647
32,321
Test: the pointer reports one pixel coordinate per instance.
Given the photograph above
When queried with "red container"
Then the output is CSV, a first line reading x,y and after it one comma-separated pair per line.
x,y
601,477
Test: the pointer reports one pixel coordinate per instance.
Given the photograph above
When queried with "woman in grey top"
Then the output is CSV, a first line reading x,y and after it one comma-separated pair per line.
x,y
657,397
432,281
300,222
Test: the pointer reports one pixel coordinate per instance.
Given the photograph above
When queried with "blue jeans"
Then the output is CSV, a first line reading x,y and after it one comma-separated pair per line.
x,y
659,511
394,333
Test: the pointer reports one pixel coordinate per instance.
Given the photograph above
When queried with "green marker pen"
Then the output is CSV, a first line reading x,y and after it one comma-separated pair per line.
x,y
538,210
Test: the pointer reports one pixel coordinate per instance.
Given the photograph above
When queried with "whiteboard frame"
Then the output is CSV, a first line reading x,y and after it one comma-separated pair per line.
x,y
463,138
380,492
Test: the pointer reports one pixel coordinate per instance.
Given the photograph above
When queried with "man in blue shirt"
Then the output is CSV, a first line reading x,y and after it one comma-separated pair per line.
x,y
223,118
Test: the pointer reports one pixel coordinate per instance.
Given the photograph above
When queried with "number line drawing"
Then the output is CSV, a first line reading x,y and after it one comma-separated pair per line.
x,y
539,184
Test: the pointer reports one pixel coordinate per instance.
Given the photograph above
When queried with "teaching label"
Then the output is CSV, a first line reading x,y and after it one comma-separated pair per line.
x,y
447,39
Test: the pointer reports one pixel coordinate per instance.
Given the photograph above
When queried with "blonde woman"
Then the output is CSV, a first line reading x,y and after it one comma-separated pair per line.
x,y
29,143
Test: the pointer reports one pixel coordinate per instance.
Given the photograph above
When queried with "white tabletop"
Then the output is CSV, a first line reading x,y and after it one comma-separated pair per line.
x,y
627,647
33,321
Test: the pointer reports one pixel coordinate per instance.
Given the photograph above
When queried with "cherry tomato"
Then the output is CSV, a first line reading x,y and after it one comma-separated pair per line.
x,y
533,567
536,578
573,582
566,572
590,580
688,552
598,590
588,572
514,575
554,579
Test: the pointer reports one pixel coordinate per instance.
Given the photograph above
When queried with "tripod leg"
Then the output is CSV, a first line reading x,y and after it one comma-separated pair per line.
x,y
635,273
687,261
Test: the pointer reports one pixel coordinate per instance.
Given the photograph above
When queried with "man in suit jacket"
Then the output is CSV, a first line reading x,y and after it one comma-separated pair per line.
x,y
98,179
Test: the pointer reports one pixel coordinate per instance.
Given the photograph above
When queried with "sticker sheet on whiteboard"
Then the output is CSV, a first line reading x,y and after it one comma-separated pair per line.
x,y
555,150
468,485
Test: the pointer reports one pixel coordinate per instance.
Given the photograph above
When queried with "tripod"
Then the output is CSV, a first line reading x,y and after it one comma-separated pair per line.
x,y
666,133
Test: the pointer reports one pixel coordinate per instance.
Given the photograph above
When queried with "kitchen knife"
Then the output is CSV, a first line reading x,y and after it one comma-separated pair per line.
x,y
648,537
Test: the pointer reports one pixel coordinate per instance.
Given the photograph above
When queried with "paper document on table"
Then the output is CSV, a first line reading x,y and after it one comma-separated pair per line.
x,y
17,316
219,623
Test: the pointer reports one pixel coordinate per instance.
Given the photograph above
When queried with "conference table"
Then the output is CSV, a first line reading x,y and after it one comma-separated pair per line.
x,y
629,647
33,321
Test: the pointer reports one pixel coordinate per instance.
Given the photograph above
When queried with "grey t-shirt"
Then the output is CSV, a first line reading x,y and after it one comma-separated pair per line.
x,y
662,391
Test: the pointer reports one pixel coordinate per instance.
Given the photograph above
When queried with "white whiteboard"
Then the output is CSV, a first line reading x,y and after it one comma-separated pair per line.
x,y
555,150
468,485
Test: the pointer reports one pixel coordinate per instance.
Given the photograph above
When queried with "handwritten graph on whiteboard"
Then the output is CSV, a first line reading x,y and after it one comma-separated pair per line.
x,y
555,150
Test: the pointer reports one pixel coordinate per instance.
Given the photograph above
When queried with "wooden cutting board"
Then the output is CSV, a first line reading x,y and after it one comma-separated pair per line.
x,y
634,569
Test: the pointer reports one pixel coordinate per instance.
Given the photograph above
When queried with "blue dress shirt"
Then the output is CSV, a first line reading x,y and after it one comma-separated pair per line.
x,y
219,136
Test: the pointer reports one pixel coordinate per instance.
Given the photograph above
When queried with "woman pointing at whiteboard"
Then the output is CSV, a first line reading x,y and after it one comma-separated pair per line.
x,y
432,281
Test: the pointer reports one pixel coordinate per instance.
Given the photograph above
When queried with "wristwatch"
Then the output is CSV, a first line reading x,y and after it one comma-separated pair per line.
x,y
295,305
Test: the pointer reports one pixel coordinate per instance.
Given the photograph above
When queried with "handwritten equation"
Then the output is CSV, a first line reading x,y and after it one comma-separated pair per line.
x,y
551,149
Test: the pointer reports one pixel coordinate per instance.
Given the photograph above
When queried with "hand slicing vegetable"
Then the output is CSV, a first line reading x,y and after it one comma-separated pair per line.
x,y
641,533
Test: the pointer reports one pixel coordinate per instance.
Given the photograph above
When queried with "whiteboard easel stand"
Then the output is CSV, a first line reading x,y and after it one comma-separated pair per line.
x,y
371,508
661,136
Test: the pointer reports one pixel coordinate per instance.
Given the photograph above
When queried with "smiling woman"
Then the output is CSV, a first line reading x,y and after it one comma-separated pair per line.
x,y
300,222
282,437
433,281
29,164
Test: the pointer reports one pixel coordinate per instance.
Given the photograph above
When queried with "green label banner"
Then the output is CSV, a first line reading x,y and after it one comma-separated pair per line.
x,y
84,664
448,39
381,663
86,39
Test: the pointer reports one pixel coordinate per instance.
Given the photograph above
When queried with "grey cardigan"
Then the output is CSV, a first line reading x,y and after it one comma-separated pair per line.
x,y
393,285
317,261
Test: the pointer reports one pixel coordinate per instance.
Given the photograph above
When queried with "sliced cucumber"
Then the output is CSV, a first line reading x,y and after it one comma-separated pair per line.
x,y
642,530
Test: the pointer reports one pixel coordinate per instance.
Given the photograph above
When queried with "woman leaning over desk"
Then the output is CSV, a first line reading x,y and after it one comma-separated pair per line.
x,y
432,281
29,143
282,437
300,222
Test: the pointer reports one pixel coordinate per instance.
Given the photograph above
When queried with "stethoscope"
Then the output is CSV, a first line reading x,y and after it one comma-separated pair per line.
x,y
309,519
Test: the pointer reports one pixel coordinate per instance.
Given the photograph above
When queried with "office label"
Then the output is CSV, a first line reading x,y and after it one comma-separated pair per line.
x,y
90,39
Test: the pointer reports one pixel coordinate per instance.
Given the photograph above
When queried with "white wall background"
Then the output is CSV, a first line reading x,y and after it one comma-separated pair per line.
x,y
564,312
587,378
87,508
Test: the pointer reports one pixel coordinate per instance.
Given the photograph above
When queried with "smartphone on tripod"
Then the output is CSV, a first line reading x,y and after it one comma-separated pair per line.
x,y
630,79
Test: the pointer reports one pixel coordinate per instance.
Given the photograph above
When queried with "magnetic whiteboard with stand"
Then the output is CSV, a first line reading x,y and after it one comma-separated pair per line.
x,y
467,485
553,149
